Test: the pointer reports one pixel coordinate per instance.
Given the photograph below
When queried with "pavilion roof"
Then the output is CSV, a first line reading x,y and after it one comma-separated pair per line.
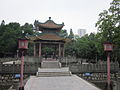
x,y
50,24
48,36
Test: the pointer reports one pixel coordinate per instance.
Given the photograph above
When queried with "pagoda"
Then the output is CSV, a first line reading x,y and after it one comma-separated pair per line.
x,y
49,42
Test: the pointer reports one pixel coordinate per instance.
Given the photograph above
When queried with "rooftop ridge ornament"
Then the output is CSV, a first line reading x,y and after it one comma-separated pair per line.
x,y
49,18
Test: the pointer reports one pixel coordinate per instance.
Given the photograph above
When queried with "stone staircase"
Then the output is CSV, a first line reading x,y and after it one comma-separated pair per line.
x,y
52,68
45,72
50,64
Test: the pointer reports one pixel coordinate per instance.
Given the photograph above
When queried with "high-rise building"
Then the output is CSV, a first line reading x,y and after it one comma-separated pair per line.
x,y
81,32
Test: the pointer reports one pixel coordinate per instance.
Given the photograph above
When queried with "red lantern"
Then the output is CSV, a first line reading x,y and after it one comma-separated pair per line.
x,y
23,44
108,46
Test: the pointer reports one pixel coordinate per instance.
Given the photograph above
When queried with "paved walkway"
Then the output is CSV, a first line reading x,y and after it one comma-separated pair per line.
x,y
53,77
58,83
50,77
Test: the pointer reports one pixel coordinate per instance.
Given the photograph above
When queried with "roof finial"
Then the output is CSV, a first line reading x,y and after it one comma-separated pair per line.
x,y
49,18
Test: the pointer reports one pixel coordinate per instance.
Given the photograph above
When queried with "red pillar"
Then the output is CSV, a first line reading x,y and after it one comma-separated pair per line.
x,y
34,49
22,68
39,49
63,50
59,50
108,70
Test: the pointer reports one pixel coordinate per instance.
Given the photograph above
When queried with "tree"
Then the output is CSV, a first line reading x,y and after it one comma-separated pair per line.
x,y
28,29
8,38
63,33
109,21
86,46
70,48
109,25
71,35
9,35
3,22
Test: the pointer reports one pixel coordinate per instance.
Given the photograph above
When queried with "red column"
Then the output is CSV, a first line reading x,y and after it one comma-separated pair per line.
x,y
34,50
59,49
108,69
39,49
22,68
63,50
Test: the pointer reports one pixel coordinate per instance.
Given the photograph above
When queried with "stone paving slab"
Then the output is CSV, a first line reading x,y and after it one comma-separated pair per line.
x,y
58,83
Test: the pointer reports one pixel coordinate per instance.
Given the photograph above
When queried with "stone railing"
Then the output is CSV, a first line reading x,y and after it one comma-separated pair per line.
x,y
93,68
32,63
7,59
29,68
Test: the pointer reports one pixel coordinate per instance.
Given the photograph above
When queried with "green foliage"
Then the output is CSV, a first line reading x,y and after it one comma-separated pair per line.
x,y
71,35
109,27
30,50
109,22
63,33
85,47
3,22
48,50
28,28
9,35
70,48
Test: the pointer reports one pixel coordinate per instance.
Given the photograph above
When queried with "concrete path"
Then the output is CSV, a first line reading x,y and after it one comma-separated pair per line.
x,y
53,77
58,83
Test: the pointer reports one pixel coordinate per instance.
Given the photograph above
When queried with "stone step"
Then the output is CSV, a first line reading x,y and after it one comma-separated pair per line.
x,y
63,69
50,64
53,74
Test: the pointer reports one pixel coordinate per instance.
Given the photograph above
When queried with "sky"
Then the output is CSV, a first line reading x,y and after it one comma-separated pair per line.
x,y
76,14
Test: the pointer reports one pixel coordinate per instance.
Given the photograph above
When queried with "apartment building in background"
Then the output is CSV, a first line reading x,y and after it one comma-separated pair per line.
x,y
81,32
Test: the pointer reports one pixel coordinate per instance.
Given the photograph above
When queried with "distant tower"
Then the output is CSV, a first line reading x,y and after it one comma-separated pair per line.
x,y
81,32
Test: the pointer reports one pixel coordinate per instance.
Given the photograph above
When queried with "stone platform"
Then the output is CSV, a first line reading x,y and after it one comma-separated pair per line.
x,y
58,83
